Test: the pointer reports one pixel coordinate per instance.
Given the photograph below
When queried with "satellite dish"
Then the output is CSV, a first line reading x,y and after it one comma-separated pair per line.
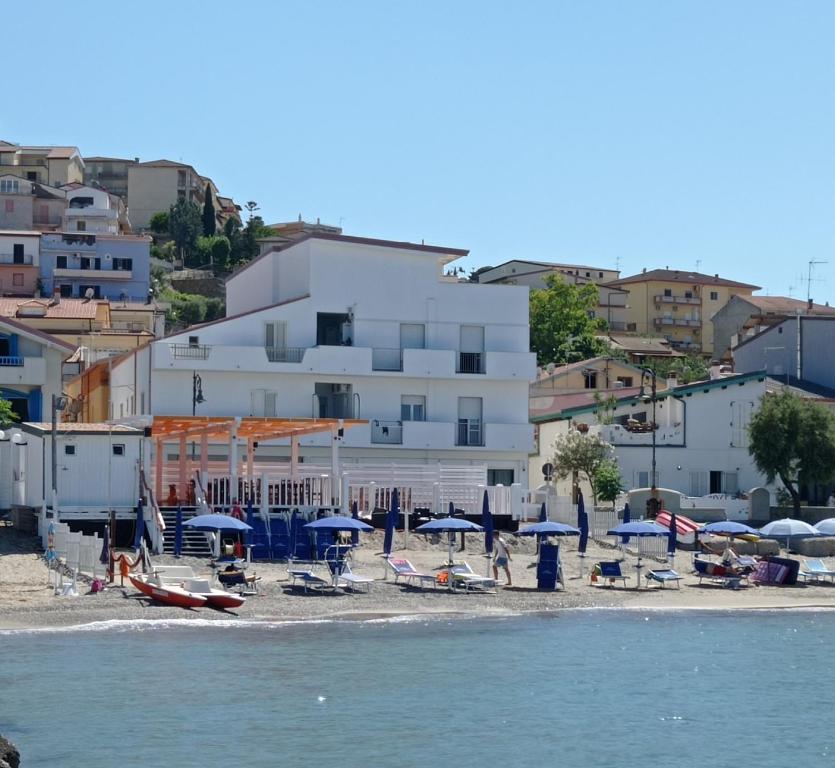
x,y
89,293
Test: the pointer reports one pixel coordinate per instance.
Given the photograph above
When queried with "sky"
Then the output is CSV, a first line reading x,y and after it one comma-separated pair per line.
x,y
681,134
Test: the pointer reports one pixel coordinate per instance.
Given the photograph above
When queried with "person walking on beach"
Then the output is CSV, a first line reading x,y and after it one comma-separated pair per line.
x,y
501,558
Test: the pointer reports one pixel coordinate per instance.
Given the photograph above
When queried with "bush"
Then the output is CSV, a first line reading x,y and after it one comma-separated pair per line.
x,y
160,222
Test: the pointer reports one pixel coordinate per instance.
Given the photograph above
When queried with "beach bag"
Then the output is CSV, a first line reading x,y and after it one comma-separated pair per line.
x,y
97,585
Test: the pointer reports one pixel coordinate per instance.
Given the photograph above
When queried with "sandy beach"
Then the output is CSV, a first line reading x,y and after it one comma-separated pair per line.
x,y
27,599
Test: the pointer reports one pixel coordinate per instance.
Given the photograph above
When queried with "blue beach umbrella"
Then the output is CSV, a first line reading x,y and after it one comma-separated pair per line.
x,y
638,528
104,557
826,527
178,533
729,528
788,528
543,513
216,523
450,526
549,528
627,516
673,536
355,535
338,523
391,522
582,524
140,526
487,524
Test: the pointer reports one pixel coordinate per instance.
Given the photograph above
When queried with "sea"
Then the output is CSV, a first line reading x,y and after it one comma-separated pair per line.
x,y
578,688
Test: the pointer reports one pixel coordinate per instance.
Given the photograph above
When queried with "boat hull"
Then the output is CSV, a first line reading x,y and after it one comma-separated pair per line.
x,y
168,594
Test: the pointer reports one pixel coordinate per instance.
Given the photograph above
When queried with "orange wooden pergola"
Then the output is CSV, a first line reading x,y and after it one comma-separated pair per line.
x,y
232,430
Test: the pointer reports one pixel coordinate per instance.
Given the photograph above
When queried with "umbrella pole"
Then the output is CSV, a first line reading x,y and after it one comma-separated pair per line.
x,y
450,539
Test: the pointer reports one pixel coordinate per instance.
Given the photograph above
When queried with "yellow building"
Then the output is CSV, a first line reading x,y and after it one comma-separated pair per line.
x,y
678,305
47,165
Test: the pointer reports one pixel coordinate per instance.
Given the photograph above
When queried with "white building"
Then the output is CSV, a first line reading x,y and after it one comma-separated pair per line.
x,y
346,327
92,209
701,436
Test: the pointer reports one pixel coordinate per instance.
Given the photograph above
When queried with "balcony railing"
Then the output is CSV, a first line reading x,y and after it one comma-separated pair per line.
x,y
11,360
387,432
386,359
470,362
190,351
470,432
661,299
285,354
9,258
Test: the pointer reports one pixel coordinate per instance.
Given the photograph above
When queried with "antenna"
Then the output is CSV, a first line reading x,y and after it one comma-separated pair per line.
x,y
698,264
812,263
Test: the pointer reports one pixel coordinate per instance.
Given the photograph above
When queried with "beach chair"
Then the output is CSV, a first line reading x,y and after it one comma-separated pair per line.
x,y
308,579
662,577
718,573
609,570
246,583
348,578
464,577
816,570
403,569
743,561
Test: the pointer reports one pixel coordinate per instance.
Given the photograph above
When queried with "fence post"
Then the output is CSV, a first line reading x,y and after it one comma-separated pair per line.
x,y
516,496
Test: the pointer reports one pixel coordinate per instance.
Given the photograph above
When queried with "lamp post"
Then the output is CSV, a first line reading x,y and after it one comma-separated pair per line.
x,y
196,393
649,373
59,402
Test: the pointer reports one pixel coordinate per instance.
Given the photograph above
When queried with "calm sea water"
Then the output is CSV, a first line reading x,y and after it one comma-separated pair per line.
x,y
597,688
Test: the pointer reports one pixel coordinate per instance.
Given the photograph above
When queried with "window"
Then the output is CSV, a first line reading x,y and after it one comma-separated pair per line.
x,y
69,450
85,262
194,341
9,186
412,336
66,291
61,262
123,265
17,279
469,421
688,294
590,379
741,411
17,253
9,206
80,226
499,476
698,483
118,449
668,291
626,381
413,408
600,274
264,402
31,175
714,295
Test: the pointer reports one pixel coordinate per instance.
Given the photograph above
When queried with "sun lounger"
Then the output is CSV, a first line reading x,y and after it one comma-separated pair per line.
x,y
353,581
308,579
718,573
816,570
609,571
464,577
664,576
403,569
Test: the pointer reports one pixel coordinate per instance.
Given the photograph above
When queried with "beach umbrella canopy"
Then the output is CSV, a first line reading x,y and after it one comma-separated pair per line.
x,y
673,536
487,523
729,528
627,516
549,528
338,523
450,526
104,557
826,527
638,528
178,533
216,523
788,528
582,523
355,535
391,522
543,513
140,526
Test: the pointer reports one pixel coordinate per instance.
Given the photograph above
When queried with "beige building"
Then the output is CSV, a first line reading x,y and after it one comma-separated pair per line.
x,y
678,305
612,306
29,205
111,173
46,165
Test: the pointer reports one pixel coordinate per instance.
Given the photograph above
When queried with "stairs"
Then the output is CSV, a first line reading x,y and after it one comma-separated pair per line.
x,y
195,543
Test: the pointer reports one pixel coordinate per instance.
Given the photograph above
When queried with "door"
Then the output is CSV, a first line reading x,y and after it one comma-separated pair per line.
x,y
471,354
469,421
17,255
275,335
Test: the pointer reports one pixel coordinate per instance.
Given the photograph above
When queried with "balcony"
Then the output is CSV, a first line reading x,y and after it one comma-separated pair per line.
x,y
69,241
94,274
22,370
386,359
470,362
9,258
11,361
190,351
661,299
386,432
285,354
681,322
616,434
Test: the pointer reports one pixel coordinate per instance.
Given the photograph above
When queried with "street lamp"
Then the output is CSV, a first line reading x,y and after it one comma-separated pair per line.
x,y
653,504
196,393
59,402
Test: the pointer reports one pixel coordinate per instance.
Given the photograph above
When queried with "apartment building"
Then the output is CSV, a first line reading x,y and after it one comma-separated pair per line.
x,y
19,262
46,165
111,173
28,205
613,300
93,209
438,369
678,305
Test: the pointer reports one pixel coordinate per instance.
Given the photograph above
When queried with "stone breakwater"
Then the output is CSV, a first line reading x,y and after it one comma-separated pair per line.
x,y
9,756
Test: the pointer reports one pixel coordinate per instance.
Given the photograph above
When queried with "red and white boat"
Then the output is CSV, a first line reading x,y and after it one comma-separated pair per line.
x,y
168,594
215,598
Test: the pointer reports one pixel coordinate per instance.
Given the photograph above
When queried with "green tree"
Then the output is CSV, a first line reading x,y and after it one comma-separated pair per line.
x,y
794,440
688,368
608,481
159,222
562,327
7,415
474,274
185,226
582,453
213,250
209,220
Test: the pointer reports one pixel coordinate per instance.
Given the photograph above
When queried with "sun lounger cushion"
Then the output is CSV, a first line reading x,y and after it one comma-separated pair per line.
x,y
663,576
610,570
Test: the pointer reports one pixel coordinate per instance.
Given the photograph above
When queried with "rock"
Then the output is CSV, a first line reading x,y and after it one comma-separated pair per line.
x,y
9,756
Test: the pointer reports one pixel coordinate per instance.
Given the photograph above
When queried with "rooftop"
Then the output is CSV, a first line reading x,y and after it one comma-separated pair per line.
x,y
681,276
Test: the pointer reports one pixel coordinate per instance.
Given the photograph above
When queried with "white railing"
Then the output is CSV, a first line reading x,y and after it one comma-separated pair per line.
x,y
79,552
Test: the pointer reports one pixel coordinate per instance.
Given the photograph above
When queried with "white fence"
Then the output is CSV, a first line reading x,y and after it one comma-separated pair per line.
x,y
79,552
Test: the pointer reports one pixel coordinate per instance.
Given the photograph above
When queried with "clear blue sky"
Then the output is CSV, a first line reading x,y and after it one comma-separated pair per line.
x,y
637,134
